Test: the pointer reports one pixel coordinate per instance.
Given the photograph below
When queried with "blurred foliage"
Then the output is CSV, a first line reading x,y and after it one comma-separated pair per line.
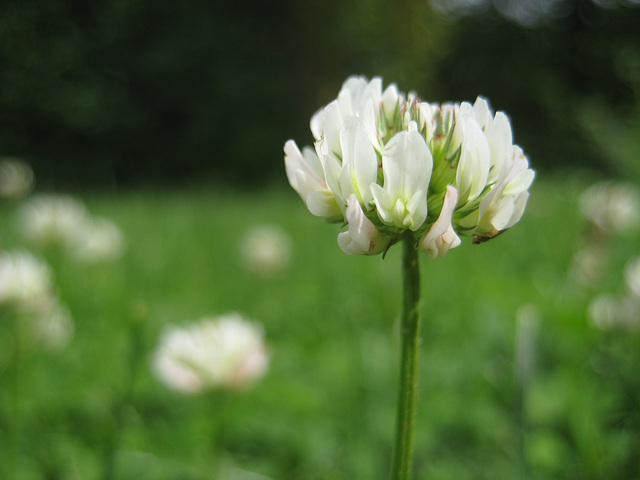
x,y
325,409
119,92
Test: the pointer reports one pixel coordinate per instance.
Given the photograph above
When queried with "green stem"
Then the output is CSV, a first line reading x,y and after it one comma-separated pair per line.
x,y
405,420
18,374
120,405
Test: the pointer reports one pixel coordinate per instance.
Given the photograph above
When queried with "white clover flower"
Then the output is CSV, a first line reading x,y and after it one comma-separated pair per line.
x,y
52,220
632,277
265,250
51,326
603,311
589,264
608,312
62,221
220,352
613,207
97,239
403,161
16,178
25,281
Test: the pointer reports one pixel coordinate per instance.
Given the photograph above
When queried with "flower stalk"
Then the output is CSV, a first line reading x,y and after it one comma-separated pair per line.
x,y
406,409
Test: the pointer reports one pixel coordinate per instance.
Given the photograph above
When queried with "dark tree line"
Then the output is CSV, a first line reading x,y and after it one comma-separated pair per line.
x,y
124,92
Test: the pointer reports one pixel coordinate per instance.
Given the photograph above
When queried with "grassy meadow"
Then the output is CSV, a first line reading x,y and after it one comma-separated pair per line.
x,y
515,380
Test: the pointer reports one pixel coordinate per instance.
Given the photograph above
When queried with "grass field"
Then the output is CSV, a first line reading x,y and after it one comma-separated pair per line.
x,y
326,407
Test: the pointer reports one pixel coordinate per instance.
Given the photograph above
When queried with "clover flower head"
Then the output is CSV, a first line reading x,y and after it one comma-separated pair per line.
x,y
61,221
51,326
265,250
52,220
610,312
613,207
25,280
632,277
225,352
16,178
387,164
97,239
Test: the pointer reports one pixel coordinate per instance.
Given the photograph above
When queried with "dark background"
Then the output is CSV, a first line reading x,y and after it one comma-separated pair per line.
x,y
124,93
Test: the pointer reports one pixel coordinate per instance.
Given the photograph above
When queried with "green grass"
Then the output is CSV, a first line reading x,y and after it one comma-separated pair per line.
x,y
326,408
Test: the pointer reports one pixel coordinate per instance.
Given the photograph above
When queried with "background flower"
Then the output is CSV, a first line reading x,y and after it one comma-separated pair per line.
x,y
265,250
25,281
16,178
218,352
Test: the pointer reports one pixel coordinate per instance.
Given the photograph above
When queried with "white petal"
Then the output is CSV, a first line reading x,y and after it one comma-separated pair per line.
x,y
323,204
441,237
499,215
520,183
316,124
482,112
362,238
359,161
370,124
384,204
330,127
333,172
304,172
390,100
407,165
499,137
473,168
518,209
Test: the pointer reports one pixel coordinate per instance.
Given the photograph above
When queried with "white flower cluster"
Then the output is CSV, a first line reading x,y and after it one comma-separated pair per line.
x,y
26,288
62,221
265,250
16,178
612,207
222,352
390,164
24,279
608,311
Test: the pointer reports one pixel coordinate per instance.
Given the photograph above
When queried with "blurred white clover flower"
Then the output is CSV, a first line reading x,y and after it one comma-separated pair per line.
x,y
225,352
16,178
52,220
98,239
632,277
387,164
608,312
25,281
265,250
612,207
51,326
26,288
49,220
588,264
603,311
